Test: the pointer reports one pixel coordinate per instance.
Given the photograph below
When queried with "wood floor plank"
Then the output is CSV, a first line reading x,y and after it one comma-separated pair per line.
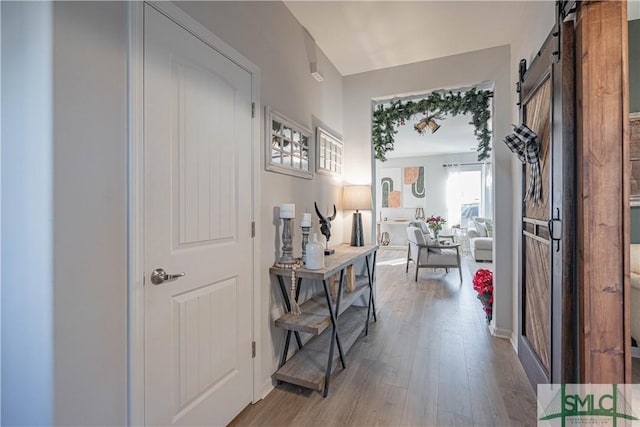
x,y
428,361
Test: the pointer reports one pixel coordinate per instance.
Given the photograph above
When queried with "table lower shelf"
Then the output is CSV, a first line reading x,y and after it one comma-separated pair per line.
x,y
307,367
315,317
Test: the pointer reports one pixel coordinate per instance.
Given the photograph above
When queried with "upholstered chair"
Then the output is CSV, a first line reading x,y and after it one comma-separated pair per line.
x,y
428,254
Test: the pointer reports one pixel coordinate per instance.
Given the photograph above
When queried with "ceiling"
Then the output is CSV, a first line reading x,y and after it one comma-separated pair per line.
x,y
360,36
454,136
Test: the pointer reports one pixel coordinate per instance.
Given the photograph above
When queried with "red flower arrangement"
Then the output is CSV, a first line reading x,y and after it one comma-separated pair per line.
x,y
483,285
435,223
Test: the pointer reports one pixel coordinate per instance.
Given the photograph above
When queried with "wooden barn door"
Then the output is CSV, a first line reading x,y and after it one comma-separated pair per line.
x,y
546,342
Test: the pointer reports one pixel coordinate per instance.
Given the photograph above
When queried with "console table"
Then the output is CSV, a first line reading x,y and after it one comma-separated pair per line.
x,y
402,222
312,364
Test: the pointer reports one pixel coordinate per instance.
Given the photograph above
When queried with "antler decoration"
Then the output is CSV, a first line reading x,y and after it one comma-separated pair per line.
x,y
325,223
332,217
322,219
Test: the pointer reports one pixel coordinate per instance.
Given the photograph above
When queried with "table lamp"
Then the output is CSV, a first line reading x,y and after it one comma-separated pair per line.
x,y
357,197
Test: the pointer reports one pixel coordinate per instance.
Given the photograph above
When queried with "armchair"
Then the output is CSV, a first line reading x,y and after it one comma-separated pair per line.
x,y
426,255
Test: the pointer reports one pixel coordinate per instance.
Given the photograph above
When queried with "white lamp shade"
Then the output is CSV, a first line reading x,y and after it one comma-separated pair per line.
x,y
356,197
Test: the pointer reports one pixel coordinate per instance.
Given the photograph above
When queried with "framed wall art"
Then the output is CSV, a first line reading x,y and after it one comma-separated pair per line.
x,y
413,187
390,188
287,146
330,152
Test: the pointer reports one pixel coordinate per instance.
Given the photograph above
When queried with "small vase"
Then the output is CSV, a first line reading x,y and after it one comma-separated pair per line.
x,y
385,239
315,254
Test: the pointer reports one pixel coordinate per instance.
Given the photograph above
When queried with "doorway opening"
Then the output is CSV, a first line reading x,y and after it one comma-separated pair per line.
x,y
440,149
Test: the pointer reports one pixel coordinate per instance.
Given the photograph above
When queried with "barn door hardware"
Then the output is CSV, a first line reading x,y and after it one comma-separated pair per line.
x,y
555,229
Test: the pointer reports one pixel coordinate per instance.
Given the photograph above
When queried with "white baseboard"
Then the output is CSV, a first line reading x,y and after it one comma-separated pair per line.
x,y
499,332
514,341
267,387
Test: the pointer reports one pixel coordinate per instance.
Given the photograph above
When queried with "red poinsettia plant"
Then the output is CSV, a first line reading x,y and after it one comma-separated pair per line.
x,y
435,223
483,285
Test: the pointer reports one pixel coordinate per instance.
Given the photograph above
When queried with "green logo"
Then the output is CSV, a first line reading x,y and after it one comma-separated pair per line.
x,y
584,404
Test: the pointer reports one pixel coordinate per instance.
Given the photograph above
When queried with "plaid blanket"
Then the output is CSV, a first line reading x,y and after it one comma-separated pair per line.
x,y
523,142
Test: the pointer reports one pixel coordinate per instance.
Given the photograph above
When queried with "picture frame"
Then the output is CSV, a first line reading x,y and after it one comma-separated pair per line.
x,y
329,152
288,146
634,155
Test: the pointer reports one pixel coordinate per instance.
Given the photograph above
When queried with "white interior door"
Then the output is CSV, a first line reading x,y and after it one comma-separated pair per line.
x,y
197,185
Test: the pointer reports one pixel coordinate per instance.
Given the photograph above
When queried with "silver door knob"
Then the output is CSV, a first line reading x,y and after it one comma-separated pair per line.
x,y
159,275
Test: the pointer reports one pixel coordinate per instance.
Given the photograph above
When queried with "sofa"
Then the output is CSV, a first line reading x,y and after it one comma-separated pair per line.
x,y
481,239
635,291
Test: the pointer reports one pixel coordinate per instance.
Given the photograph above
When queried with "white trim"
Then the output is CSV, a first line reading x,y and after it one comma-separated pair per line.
x,y
271,115
267,387
499,332
0,214
135,236
197,29
135,241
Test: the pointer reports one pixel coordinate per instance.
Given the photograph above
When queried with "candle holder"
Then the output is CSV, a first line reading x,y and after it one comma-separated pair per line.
x,y
287,247
305,240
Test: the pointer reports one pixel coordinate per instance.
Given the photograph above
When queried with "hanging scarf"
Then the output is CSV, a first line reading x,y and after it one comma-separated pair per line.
x,y
523,142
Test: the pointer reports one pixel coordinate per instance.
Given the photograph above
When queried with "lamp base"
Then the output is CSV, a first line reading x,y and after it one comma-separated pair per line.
x,y
357,234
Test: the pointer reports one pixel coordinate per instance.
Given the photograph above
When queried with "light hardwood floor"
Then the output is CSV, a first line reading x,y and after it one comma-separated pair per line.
x,y
429,360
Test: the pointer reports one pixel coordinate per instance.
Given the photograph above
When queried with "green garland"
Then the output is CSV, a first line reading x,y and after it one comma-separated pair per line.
x,y
476,102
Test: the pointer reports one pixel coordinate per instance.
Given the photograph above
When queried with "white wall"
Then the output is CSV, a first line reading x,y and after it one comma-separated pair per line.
x,y
90,212
270,37
537,20
64,183
64,214
27,217
449,72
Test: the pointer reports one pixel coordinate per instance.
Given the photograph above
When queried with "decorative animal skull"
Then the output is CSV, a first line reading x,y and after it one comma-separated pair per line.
x,y
325,223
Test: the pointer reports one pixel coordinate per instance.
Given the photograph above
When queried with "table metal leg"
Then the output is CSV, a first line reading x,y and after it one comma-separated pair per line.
x,y
366,326
285,351
335,337
371,271
287,305
334,313
373,277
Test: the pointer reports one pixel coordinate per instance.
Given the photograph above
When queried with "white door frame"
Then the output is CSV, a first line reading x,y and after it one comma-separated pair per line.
x,y
135,374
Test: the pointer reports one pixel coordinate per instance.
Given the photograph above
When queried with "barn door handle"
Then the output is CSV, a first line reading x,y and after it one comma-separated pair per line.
x,y
555,229
159,276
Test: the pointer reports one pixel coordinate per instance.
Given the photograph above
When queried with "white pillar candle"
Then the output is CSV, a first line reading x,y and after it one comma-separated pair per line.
x,y
306,220
287,210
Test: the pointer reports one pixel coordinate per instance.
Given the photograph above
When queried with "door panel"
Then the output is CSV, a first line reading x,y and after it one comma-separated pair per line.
x,y
538,299
537,259
203,182
197,162
547,345
201,319
537,116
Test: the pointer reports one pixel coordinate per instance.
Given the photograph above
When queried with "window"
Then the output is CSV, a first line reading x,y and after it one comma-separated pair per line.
x,y
330,152
288,144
